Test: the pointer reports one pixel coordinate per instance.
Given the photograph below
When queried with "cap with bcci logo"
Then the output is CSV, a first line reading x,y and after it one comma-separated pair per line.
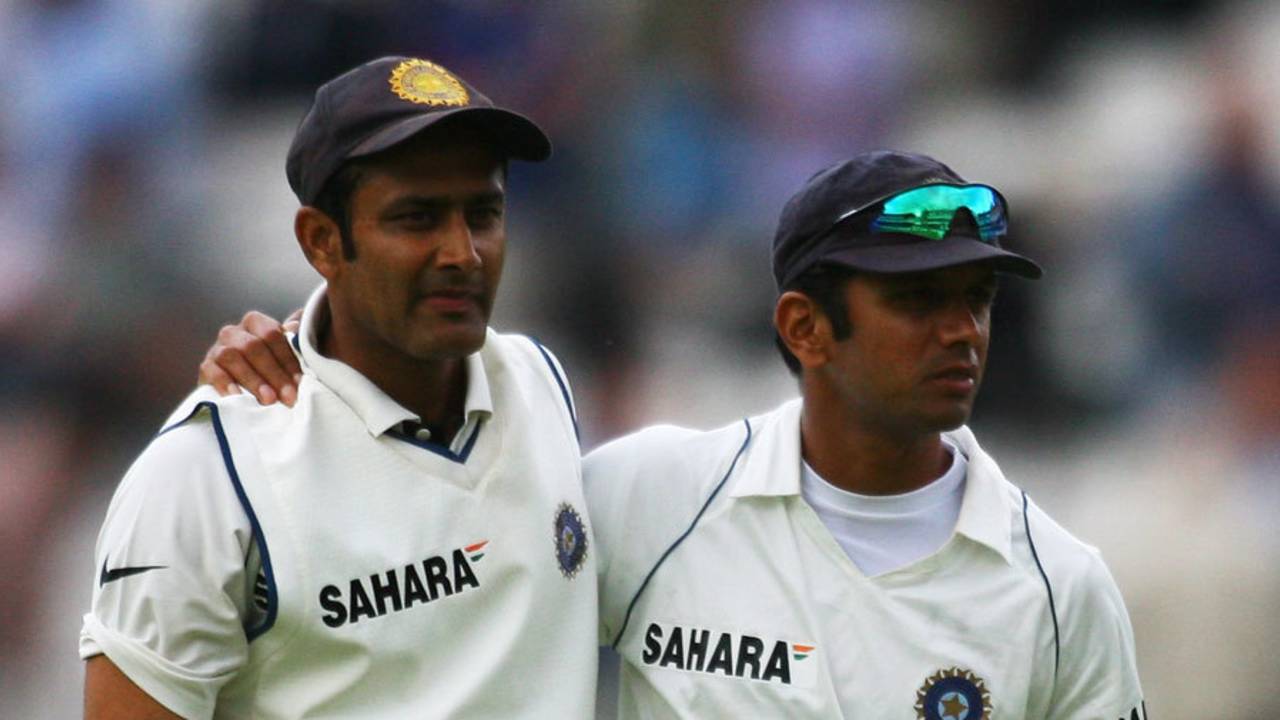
x,y
893,212
386,101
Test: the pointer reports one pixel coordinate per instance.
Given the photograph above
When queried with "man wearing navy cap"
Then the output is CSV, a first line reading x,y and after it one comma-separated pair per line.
x,y
855,553
409,539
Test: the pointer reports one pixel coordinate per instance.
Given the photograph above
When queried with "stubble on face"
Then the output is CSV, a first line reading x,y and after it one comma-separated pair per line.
x,y
914,362
429,230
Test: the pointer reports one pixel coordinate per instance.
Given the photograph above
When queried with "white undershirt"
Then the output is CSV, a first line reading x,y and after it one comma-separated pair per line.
x,y
880,533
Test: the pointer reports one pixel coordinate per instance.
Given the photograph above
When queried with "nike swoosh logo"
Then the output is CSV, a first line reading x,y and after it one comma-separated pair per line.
x,y
124,572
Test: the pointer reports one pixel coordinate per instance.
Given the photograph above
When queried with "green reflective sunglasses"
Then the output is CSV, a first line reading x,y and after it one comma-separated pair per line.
x,y
928,211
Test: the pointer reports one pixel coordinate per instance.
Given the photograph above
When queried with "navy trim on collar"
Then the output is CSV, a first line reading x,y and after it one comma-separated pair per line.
x,y
442,450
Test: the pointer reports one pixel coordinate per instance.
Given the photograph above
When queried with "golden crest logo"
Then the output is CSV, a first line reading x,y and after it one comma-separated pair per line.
x,y
426,83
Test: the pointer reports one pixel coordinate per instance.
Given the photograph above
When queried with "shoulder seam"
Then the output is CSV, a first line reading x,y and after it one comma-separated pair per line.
x,y
251,633
640,591
564,387
194,411
1053,611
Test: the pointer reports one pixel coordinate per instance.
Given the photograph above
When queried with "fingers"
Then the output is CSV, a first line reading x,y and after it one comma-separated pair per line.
x,y
238,355
261,342
272,334
211,374
256,356
294,321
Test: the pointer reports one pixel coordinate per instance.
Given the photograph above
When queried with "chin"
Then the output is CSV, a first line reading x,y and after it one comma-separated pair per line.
x,y
949,420
450,343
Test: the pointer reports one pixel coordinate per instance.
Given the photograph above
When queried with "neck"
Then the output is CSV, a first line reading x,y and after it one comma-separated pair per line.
x,y
854,455
435,389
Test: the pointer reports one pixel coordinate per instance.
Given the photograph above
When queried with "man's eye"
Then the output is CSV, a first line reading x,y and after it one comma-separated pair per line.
x,y
918,297
983,296
484,216
416,217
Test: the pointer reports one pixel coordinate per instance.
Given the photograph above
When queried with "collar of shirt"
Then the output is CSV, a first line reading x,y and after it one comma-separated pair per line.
x,y
772,468
377,409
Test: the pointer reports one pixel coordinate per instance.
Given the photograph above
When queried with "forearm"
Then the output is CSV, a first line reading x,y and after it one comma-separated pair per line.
x,y
109,694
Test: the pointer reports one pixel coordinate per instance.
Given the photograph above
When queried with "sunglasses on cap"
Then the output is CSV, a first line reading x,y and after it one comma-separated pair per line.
x,y
929,210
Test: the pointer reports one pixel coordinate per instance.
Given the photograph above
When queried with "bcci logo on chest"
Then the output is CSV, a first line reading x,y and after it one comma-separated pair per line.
x,y
953,694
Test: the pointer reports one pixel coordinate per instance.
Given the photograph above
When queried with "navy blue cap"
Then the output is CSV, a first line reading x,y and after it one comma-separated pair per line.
x,y
387,101
815,224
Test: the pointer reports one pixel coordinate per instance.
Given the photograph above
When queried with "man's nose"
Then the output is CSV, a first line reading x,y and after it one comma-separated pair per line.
x,y
960,324
457,248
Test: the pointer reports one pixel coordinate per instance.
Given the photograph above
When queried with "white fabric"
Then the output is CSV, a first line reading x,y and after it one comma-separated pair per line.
x,y
758,612
379,411
880,533
494,625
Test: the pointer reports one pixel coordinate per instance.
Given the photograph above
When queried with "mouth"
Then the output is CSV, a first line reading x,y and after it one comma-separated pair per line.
x,y
961,378
452,300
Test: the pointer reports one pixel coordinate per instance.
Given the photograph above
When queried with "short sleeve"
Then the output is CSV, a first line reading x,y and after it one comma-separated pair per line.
x,y
1097,671
169,597
601,495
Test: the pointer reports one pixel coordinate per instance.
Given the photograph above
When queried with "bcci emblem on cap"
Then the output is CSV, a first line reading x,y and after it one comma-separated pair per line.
x,y
953,694
426,83
570,539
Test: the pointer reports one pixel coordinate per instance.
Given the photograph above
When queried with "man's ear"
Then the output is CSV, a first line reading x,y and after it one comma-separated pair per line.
x,y
320,239
804,329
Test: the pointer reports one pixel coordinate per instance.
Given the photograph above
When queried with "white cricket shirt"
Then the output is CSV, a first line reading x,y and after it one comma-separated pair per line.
x,y
725,595
400,578
886,532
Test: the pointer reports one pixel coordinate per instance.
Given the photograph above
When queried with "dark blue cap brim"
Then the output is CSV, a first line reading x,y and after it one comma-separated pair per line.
x,y
922,255
516,135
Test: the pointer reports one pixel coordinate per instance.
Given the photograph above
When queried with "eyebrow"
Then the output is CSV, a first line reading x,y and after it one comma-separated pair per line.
x,y
486,198
443,201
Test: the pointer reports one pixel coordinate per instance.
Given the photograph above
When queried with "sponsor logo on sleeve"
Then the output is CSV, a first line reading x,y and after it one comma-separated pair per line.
x,y
114,574
767,659
398,589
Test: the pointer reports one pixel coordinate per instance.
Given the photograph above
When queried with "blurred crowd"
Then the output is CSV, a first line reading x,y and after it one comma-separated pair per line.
x,y
1135,391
